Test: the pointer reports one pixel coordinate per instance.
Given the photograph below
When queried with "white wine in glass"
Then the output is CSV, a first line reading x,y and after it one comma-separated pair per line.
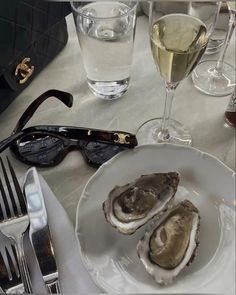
x,y
178,40
176,53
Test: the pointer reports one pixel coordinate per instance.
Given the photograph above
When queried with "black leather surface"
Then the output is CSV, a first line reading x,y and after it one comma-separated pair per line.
x,y
28,28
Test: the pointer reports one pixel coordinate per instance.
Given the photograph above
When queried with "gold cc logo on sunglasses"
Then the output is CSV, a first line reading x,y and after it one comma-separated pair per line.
x,y
122,138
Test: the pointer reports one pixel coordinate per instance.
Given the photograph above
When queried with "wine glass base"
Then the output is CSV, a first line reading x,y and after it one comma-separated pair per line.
x,y
206,79
148,133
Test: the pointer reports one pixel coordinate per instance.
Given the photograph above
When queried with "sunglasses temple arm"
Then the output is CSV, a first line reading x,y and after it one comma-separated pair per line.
x,y
113,137
4,144
64,97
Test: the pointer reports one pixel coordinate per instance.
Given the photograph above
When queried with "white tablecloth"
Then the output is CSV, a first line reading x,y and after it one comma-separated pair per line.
x,y
202,114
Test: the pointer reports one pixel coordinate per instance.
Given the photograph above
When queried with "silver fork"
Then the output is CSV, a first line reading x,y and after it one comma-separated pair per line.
x,y
14,220
10,280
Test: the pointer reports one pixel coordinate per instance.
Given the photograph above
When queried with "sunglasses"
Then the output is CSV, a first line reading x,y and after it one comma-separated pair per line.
x,y
47,145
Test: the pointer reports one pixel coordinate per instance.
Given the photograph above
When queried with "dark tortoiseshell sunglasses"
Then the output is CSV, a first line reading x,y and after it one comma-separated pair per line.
x,y
47,145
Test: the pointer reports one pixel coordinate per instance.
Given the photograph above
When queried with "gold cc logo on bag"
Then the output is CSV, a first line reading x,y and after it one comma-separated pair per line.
x,y
24,70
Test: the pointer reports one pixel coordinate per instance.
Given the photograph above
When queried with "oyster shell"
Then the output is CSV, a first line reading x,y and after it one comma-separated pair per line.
x,y
171,243
130,206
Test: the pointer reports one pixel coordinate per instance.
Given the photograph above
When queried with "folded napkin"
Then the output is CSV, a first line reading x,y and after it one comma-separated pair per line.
x,y
73,276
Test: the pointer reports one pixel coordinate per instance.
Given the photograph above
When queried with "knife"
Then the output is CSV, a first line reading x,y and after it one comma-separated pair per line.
x,y
39,232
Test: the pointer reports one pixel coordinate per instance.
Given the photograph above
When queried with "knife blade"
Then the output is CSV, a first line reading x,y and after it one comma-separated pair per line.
x,y
39,231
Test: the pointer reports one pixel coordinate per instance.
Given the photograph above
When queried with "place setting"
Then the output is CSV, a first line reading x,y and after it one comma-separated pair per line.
x,y
156,215
51,261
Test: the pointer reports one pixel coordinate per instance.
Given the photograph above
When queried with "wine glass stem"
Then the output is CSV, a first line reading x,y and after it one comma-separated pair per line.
x,y
170,89
219,64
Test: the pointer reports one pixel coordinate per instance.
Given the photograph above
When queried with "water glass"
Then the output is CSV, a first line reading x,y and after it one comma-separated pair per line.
x,y
106,32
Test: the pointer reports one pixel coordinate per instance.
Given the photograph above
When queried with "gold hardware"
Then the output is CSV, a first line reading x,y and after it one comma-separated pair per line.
x,y
24,70
89,132
122,138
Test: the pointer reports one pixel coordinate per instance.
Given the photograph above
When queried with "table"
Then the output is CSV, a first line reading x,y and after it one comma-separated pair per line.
x,y
202,114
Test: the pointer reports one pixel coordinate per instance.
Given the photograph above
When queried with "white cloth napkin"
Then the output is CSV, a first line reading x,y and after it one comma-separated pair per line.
x,y
73,276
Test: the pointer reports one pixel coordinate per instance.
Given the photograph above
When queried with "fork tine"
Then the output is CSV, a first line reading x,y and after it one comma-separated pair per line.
x,y
22,208
10,263
6,262
4,206
12,253
11,256
3,270
12,205
2,214
10,279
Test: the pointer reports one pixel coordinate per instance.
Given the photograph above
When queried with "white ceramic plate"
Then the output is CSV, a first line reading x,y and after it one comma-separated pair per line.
x,y
111,258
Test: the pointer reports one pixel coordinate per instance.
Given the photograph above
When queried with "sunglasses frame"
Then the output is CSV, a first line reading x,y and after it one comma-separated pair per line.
x,y
73,137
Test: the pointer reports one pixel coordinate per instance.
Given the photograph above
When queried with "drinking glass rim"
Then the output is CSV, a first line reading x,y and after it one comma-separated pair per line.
x,y
135,4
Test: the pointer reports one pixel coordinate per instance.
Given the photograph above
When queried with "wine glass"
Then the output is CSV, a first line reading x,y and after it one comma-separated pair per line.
x,y
218,36
216,77
179,32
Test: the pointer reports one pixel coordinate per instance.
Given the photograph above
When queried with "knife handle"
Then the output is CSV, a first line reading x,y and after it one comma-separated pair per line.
x,y
53,287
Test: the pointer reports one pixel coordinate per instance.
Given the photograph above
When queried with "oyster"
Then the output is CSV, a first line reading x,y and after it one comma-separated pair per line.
x,y
130,206
171,243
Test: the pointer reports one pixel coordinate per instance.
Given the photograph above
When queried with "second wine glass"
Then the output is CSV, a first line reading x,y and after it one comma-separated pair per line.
x,y
179,32
216,77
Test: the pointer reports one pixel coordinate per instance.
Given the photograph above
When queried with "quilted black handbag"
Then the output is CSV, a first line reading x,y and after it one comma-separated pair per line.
x,y
32,33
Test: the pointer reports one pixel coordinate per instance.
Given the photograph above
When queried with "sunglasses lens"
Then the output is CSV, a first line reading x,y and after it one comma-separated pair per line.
x,y
99,153
40,149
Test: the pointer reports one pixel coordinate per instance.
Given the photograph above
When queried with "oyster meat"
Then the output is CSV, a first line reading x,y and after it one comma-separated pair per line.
x,y
130,206
171,243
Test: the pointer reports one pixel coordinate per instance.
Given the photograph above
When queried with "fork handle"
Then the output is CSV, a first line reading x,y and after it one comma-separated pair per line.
x,y
53,287
24,271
